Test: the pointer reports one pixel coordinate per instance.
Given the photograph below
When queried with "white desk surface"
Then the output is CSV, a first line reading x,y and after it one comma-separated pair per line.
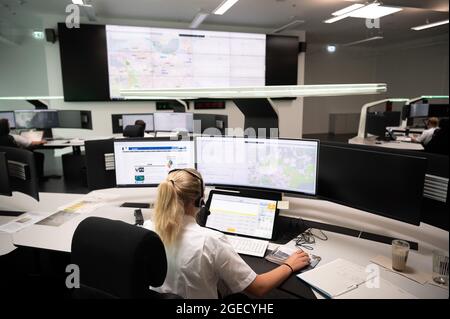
x,y
371,141
356,250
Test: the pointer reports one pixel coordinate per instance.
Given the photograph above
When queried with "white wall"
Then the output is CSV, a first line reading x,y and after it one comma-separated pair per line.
x,y
410,69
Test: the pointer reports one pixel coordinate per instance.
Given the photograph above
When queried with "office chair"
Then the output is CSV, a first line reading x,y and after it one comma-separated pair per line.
x,y
118,260
134,131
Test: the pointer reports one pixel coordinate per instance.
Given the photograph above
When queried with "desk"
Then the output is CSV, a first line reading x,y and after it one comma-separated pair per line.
x,y
354,249
372,141
63,143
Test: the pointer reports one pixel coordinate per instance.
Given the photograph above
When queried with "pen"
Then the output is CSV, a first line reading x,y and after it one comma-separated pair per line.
x,y
349,288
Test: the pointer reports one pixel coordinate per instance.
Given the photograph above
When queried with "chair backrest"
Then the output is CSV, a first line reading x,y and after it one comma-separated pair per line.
x,y
117,260
134,131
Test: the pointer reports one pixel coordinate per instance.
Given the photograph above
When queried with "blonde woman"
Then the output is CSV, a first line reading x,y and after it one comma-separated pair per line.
x,y
201,260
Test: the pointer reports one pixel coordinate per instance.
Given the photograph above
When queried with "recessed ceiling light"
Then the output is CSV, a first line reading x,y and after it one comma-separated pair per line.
x,y
38,35
373,11
334,19
430,25
378,37
348,9
331,48
224,6
198,19
78,2
287,26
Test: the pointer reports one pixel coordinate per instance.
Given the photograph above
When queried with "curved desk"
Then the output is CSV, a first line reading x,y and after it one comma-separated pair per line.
x,y
354,249
372,141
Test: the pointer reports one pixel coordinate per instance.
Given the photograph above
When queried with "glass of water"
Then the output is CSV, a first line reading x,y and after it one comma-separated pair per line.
x,y
440,267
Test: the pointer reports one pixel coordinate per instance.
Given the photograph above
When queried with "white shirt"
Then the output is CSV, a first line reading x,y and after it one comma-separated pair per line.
x,y
21,141
201,261
426,136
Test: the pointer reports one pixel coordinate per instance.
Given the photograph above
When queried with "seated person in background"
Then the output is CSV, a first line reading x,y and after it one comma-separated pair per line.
x,y
142,123
201,261
13,140
432,125
439,143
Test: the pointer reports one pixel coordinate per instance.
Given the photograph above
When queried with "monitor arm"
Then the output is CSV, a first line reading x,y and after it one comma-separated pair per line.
x,y
363,117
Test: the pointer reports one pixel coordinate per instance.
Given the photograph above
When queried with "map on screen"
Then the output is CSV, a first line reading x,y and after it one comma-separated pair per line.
x,y
144,58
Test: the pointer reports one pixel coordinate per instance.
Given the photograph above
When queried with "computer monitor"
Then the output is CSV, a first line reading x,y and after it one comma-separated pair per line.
x,y
376,122
439,110
100,166
383,183
241,215
146,162
419,110
43,119
75,119
130,119
214,124
5,185
282,165
10,117
173,122
22,171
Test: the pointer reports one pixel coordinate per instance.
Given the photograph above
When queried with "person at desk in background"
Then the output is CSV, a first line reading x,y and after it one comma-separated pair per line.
x,y
201,261
426,135
142,123
12,140
439,142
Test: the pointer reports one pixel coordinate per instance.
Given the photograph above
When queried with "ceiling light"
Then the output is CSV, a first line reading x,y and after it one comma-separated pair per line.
x,y
429,25
334,19
378,37
287,26
38,35
78,2
224,6
373,11
348,9
198,19
331,48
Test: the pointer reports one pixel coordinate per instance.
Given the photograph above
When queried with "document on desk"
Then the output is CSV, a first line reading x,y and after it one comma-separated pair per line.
x,y
335,278
22,222
82,206
57,219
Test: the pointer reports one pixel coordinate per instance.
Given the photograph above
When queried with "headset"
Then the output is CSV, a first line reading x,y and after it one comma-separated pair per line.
x,y
199,202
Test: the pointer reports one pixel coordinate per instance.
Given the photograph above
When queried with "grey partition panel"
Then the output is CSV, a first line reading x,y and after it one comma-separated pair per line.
x,y
100,164
259,114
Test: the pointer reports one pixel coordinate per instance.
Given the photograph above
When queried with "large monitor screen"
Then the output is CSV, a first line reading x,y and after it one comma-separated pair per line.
x,y
147,162
10,117
144,58
130,119
279,164
173,122
386,184
43,119
241,215
419,110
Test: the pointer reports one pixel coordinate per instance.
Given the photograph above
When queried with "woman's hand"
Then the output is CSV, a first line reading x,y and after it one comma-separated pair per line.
x,y
298,260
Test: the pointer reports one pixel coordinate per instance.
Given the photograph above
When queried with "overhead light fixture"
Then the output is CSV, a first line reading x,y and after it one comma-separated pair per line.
x,y
224,6
38,35
288,26
429,25
257,91
374,11
198,19
331,48
368,11
378,37
78,2
348,9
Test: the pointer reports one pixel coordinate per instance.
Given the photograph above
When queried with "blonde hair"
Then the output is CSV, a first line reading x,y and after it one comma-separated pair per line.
x,y
180,188
433,121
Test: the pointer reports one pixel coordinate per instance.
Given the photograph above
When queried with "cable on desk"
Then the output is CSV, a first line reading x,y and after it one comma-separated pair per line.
x,y
307,238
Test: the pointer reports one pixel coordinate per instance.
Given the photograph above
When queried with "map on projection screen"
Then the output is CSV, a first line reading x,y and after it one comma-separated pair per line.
x,y
145,58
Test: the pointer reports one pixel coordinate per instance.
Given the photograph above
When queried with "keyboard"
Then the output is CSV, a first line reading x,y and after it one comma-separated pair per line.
x,y
248,246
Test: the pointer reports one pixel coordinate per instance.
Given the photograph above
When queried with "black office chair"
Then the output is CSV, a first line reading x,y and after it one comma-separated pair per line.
x,y
118,260
134,131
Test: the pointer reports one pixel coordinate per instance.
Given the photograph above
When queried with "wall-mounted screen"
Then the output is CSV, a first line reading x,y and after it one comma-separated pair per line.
x,y
141,57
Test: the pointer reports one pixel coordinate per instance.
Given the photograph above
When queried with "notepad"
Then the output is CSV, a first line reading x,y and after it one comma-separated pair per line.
x,y
335,278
